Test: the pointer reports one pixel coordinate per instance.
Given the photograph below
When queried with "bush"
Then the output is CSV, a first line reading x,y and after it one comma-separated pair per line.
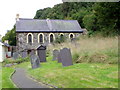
x,y
75,57
19,60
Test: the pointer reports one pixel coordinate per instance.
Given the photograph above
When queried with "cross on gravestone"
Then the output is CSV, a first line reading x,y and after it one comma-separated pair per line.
x,y
55,54
66,57
41,51
15,55
35,63
59,57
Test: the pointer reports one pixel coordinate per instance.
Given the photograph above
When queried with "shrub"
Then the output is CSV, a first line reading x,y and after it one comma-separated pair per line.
x,y
75,57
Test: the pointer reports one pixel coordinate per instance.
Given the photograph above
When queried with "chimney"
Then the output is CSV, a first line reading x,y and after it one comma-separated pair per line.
x,y
49,23
17,17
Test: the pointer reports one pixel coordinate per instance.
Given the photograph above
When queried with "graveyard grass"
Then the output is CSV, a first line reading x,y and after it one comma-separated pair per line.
x,y
82,75
6,77
0,77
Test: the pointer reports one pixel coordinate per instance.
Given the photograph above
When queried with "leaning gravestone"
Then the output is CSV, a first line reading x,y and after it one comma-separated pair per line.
x,y
59,57
15,55
35,63
66,57
41,50
55,54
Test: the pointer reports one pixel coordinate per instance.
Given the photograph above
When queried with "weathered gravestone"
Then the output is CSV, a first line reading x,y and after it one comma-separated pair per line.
x,y
41,50
66,57
24,54
32,52
35,63
59,57
15,55
55,54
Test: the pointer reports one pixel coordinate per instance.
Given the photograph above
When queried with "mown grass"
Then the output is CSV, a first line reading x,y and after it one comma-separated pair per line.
x,y
0,76
6,77
82,75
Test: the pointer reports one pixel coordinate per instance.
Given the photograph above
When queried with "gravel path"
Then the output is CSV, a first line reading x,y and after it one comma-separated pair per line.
x,y
21,80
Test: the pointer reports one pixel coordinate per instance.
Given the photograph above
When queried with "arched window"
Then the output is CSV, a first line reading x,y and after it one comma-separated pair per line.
x,y
41,38
62,37
51,38
30,38
71,36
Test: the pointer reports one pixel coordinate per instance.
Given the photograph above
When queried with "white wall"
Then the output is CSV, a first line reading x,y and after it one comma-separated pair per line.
x,y
3,51
1,57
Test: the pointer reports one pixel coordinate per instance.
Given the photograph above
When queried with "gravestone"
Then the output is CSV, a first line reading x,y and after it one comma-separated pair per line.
x,y
15,55
35,63
32,52
24,54
59,57
55,54
66,57
41,51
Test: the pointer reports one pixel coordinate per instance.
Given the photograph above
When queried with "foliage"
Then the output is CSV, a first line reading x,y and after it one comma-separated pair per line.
x,y
10,36
18,61
60,39
95,17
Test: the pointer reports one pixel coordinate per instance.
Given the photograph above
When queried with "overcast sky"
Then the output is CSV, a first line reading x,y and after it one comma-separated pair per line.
x,y
25,8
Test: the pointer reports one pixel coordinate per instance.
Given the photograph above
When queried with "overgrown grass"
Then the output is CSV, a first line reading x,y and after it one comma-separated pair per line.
x,y
6,77
94,49
82,75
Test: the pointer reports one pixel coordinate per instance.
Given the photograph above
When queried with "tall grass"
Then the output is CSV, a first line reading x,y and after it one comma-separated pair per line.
x,y
94,49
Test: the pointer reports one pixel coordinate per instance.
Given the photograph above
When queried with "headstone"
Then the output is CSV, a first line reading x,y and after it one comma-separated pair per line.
x,y
55,54
24,54
41,50
35,63
66,57
15,55
59,57
32,52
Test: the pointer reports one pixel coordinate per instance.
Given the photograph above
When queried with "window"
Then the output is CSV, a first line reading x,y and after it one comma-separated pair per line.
x,y
30,38
51,37
40,38
71,36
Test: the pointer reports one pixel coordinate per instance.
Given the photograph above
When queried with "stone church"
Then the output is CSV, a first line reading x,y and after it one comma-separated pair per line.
x,y
31,33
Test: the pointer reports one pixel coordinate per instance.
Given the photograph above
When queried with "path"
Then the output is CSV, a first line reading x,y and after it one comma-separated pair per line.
x,y
22,81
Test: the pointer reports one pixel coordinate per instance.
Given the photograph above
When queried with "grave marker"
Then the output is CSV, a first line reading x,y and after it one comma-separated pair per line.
x,y
35,63
55,54
66,57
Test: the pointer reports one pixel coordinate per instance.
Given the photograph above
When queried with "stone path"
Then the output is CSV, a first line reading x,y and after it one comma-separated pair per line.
x,y
21,80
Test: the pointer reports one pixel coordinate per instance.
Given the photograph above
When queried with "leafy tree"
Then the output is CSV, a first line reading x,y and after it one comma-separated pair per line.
x,y
10,36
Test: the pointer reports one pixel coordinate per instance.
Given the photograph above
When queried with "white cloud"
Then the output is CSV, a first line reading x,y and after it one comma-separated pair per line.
x,y
26,9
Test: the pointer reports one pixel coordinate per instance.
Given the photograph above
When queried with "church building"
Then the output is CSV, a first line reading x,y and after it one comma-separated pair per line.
x,y
31,33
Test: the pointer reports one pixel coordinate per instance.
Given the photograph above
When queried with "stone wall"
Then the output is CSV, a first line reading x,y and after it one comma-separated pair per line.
x,y
22,39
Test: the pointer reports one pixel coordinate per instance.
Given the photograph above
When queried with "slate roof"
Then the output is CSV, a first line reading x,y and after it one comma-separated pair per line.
x,y
37,25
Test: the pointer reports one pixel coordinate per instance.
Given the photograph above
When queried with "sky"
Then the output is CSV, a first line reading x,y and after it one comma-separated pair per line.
x,y
25,8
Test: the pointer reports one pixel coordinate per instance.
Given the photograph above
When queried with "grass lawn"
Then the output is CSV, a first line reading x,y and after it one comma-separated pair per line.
x,y
0,77
6,74
82,75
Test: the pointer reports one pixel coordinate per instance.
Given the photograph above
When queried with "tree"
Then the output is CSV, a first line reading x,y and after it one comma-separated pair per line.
x,y
10,36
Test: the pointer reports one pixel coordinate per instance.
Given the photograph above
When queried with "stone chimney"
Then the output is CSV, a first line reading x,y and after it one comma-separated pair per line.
x,y
49,23
17,17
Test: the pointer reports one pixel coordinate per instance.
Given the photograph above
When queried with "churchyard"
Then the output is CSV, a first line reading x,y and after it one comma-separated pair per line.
x,y
82,65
